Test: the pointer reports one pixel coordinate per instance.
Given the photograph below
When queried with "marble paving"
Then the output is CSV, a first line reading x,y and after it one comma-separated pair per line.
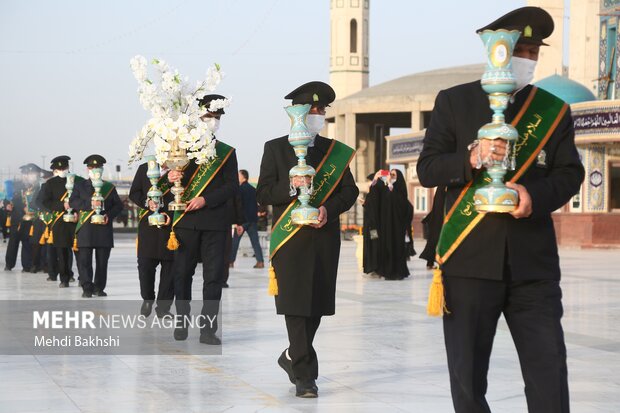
x,y
380,353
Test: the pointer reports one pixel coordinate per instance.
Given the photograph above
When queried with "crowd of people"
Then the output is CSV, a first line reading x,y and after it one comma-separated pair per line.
x,y
505,263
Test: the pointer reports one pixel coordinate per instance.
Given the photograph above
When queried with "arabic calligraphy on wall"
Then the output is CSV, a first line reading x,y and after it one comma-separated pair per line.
x,y
405,148
597,121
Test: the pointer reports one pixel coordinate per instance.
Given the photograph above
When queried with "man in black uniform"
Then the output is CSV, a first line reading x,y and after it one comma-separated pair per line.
x,y
306,264
152,245
5,219
94,237
54,201
38,238
202,230
508,263
22,217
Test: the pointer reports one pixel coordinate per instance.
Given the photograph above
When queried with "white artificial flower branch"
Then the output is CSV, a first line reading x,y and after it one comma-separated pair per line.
x,y
175,112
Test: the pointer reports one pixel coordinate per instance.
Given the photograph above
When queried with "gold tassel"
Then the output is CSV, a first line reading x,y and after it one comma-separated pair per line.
x,y
8,222
436,306
50,239
44,236
273,282
173,242
31,230
136,245
75,246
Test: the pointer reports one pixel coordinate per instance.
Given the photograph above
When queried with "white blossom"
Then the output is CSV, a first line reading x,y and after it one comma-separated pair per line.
x,y
175,111
217,104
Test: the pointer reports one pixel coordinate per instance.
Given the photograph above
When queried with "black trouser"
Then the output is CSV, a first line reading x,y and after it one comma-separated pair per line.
x,y
85,268
53,264
70,261
532,310
227,251
301,331
16,238
37,255
147,268
64,262
209,245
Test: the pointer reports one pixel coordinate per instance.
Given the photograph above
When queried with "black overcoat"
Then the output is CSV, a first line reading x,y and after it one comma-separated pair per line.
x,y
49,201
152,241
527,245
218,195
307,264
95,235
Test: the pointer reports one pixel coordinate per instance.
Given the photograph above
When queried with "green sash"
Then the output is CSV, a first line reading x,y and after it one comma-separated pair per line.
x,y
164,187
535,123
106,190
328,175
203,176
52,217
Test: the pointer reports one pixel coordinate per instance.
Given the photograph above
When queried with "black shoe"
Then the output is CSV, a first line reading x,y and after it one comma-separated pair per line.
x,y
180,334
211,339
147,307
225,285
50,279
163,314
63,285
306,388
71,280
287,366
7,269
35,270
87,294
25,270
100,293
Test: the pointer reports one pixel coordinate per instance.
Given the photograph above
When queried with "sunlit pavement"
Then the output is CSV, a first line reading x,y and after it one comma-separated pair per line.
x,y
379,353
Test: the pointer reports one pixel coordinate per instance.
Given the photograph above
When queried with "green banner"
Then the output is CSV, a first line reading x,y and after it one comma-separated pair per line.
x,y
535,123
328,175
203,176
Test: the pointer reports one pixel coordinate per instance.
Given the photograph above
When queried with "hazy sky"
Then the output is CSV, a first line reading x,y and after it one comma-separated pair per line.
x,y
66,86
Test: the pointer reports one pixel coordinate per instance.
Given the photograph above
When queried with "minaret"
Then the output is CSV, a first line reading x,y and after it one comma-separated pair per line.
x,y
348,62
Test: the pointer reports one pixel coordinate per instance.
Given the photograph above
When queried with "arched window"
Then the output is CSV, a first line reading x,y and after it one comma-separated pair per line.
x,y
353,31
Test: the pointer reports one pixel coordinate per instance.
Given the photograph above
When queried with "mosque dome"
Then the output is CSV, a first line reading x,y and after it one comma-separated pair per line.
x,y
566,89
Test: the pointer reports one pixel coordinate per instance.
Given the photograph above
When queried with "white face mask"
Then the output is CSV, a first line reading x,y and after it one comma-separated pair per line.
x,y
523,69
32,178
91,174
213,123
315,123
62,174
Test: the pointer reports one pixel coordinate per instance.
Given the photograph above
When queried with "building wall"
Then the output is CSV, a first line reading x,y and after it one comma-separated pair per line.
x,y
584,40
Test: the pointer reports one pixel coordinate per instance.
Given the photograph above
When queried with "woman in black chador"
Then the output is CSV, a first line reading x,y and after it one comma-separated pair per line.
x,y
372,215
395,214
